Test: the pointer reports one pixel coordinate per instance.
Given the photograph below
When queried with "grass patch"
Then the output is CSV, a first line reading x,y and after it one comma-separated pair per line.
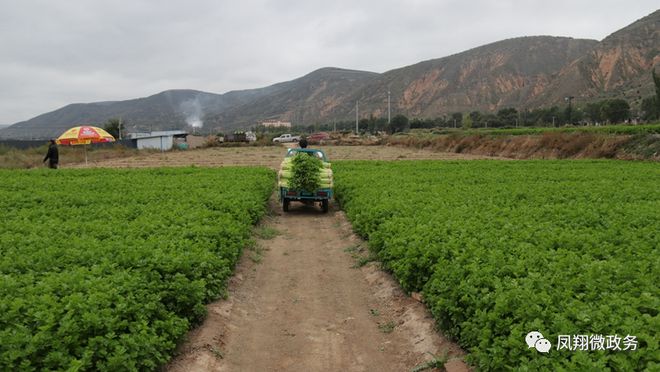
x,y
437,362
33,157
217,353
363,260
266,232
353,249
256,257
256,254
387,327
357,252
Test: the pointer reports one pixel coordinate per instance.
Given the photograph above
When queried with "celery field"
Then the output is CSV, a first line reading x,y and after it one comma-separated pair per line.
x,y
107,269
500,249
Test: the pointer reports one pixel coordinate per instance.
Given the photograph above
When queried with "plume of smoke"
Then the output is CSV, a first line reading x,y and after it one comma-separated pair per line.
x,y
192,110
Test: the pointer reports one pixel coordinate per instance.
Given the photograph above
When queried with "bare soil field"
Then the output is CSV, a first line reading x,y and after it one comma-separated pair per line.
x,y
269,156
301,301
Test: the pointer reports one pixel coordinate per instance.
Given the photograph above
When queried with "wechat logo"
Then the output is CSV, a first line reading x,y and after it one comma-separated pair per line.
x,y
536,340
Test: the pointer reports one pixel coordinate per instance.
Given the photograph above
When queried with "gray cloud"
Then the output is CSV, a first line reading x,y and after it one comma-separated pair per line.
x,y
59,52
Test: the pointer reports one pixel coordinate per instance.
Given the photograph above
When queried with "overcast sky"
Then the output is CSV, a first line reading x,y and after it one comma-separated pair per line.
x,y
53,53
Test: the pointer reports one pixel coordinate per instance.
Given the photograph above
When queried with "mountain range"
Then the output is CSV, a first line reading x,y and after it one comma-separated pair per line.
x,y
525,72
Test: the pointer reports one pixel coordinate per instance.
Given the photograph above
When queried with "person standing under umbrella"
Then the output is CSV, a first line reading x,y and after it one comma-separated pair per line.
x,y
52,155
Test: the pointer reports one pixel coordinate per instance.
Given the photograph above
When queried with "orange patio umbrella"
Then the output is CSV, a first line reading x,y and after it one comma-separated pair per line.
x,y
84,135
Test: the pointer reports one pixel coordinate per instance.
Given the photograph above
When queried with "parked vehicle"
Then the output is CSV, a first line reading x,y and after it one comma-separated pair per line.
x,y
315,138
321,196
286,138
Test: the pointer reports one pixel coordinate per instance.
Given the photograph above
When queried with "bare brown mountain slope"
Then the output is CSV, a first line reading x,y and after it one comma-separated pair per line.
x,y
315,96
507,73
619,66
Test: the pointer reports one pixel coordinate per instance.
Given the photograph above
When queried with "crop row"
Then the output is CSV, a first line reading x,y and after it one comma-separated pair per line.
x,y
107,269
500,249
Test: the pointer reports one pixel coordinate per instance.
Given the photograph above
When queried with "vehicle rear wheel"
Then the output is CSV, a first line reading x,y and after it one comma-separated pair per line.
x,y
285,204
324,205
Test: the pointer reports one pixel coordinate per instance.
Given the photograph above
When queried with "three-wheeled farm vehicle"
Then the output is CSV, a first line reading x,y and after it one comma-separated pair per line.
x,y
321,195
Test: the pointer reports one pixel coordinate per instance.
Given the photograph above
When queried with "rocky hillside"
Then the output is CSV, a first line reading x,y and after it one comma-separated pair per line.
x,y
507,73
319,95
619,66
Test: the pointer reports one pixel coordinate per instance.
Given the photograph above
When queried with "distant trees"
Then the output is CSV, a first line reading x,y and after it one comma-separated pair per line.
x,y
467,121
611,110
550,115
113,127
508,116
371,124
399,123
426,123
364,124
457,119
615,110
475,117
576,116
593,112
490,120
650,108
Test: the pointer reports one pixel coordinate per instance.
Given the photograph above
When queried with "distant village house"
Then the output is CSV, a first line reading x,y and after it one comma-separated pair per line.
x,y
276,124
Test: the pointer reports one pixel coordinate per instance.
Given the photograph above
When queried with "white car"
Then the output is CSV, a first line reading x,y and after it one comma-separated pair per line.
x,y
286,138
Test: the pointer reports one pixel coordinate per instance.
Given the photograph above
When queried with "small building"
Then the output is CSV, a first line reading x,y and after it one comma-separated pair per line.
x,y
159,140
276,124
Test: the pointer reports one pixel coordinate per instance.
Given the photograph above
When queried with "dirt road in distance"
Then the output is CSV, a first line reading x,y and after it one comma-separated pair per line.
x,y
269,156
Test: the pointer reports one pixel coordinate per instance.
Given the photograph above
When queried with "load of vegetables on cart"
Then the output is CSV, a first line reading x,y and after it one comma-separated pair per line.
x,y
305,176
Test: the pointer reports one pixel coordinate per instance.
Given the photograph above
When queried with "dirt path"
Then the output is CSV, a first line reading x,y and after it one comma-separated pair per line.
x,y
299,302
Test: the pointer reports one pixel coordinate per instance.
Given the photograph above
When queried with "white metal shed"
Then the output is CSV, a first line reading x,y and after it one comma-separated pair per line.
x,y
160,140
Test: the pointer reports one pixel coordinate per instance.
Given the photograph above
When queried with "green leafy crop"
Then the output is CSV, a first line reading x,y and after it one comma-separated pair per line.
x,y
107,269
305,172
502,248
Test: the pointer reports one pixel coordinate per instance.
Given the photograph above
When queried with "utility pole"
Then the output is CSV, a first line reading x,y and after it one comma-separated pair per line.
x,y
570,108
357,114
120,129
388,107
